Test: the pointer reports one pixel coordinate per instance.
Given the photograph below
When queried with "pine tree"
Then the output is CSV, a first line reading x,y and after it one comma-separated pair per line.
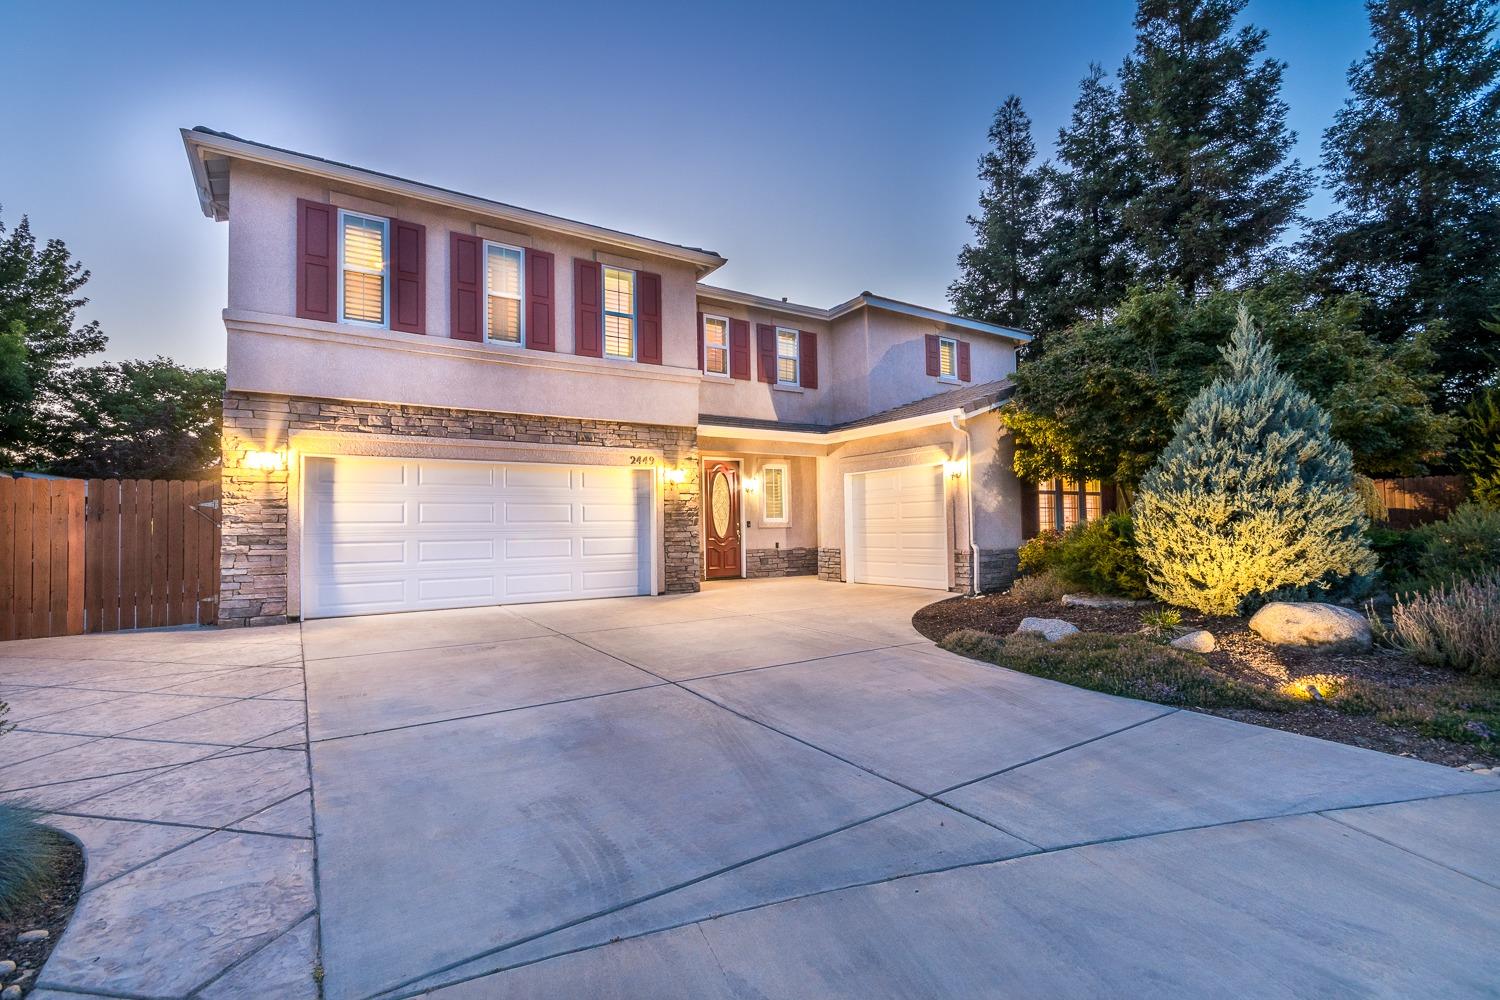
x,y
1414,159
999,271
1253,499
1479,447
1218,189
1086,265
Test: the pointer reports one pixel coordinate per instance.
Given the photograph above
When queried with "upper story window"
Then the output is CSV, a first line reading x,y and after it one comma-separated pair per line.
x,y
503,279
715,345
773,479
948,359
786,357
364,252
619,313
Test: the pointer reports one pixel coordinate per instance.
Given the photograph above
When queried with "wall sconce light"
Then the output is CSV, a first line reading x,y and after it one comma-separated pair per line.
x,y
266,461
674,476
954,469
751,484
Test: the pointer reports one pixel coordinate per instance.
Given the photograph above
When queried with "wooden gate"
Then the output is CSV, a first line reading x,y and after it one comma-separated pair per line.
x,y
104,554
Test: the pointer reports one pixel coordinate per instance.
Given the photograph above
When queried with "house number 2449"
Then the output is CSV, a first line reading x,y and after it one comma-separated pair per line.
x,y
642,459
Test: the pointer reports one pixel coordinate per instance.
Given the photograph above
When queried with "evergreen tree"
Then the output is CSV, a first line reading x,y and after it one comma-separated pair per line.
x,y
1086,263
1217,188
999,272
38,303
1414,159
1479,447
1253,499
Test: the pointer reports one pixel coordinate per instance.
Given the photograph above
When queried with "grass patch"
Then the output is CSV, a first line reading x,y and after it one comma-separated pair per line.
x,y
30,854
1128,665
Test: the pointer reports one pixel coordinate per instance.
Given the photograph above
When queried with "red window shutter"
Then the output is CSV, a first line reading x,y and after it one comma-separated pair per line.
x,y
1030,520
648,318
807,356
739,349
408,277
317,260
466,280
588,309
765,343
540,302
700,342
934,364
963,361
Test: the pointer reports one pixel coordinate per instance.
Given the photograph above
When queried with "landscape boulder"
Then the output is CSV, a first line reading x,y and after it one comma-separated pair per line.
x,y
1051,629
1197,641
1288,623
1100,601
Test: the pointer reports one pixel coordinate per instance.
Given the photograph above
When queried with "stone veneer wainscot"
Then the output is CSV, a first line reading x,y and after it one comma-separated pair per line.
x,y
254,557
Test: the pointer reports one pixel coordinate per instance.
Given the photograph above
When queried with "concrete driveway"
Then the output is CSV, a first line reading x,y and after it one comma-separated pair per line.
x,y
768,789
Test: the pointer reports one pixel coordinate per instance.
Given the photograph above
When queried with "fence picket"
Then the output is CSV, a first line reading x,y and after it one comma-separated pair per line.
x,y
109,556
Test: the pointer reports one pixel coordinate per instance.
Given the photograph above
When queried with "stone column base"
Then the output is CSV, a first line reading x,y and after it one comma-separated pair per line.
x,y
831,564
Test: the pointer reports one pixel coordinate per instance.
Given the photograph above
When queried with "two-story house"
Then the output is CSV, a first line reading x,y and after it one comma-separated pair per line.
x,y
436,400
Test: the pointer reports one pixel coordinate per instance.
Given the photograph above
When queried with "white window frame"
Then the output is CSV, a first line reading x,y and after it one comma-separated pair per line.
x,y
385,269
728,362
605,313
520,298
951,342
796,358
786,495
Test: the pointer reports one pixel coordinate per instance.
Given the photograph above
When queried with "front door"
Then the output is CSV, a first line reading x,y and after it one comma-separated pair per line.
x,y
722,514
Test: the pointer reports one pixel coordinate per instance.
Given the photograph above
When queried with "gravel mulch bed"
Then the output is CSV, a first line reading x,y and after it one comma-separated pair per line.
x,y
50,911
1243,655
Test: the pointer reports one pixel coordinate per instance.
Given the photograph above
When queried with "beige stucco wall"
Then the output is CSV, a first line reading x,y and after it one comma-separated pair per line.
x,y
997,491
754,398
896,364
262,288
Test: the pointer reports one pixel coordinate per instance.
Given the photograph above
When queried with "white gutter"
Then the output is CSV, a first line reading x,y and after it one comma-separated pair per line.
x,y
714,293
828,437
199,143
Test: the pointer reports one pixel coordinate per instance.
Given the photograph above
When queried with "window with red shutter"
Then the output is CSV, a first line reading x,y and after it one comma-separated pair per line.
x,y
588,314
934,365
466,284
739,349
808,352
408,277
648,318
317,263
541,334
765,349
963,361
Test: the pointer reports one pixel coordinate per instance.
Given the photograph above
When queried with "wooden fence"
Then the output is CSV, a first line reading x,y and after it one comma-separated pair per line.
x,y
1420,499
104,554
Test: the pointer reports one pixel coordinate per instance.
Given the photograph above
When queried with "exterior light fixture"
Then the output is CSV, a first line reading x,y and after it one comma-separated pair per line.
x,y
751,483
674,476
266,461
954,469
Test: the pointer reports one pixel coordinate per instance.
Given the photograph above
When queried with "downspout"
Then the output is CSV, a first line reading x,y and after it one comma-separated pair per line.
x,y
960,423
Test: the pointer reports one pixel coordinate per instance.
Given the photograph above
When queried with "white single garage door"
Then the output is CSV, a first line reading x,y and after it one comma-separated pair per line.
x,y
897,528
390,534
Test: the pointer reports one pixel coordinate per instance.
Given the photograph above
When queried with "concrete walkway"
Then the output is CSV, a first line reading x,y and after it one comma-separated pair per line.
x,y
768,789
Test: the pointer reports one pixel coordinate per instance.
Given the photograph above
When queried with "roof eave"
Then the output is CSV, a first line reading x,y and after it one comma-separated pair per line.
x,y
197,143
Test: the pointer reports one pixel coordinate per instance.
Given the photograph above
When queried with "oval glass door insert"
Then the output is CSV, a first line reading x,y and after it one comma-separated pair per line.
x,y
719,503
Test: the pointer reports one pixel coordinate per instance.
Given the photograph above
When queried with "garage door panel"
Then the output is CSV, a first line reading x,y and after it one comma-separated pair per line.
x,y
898,528
419,534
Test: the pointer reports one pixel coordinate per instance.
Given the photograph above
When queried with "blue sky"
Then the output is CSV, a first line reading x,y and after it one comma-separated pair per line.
x,y
823,148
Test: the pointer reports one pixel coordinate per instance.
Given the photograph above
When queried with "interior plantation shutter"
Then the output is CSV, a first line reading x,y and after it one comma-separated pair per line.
x,y
317,260
408,277
588,309
934,362
739,349
807,354
541,332
466,280
963,361
648,316
765,346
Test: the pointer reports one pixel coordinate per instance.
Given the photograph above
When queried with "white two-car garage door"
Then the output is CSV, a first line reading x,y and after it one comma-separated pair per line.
x,y
392,534
897,529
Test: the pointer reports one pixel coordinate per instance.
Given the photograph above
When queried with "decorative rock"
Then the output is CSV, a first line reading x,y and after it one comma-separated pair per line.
x,y
1051,629
1099,601
1197,641
6,968
26,937
1309,624
11,992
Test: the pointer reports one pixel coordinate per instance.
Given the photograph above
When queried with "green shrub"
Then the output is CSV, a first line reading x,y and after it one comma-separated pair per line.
x,y
1455,625
1101,557
1039,587
1037,555
29,856
1479,447
1128,665
1253,499
1161,624
1399,554
1463,547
